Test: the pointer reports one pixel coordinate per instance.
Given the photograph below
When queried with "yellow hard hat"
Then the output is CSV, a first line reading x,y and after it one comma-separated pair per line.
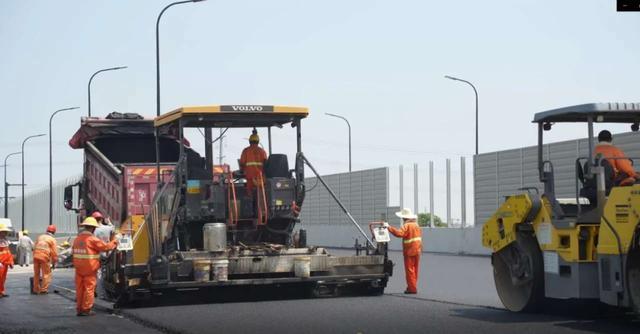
x,y
90,221
4,228
66,243
25,232
254,138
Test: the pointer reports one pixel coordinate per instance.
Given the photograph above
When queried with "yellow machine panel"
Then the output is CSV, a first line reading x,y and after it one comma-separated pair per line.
x,y
500,230
138,229
622,212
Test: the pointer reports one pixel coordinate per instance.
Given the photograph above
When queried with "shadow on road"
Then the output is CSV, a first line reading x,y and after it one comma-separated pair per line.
x,y
590,317
235,295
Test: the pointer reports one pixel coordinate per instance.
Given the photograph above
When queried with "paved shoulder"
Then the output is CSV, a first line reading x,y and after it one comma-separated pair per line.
x,y
23,312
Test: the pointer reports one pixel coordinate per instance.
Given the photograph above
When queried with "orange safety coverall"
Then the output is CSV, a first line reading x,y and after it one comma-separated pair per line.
x,y
6,259
44,254
411,235
610,151
86,260
252,163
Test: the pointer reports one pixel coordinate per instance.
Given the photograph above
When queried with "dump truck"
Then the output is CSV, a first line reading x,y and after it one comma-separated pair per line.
x,y
188,224
585,247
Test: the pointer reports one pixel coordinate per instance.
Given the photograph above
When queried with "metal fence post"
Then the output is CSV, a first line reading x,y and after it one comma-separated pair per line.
x,y
448,192
415,188
431,219
463,191
401,187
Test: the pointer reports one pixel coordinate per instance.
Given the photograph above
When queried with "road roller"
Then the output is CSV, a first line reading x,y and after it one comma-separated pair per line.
x,y
586,247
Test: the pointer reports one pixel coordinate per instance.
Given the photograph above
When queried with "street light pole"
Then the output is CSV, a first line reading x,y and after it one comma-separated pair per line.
x,y
158,50
51,164
22,183
157,139
91,79
348,125
6,185
476,92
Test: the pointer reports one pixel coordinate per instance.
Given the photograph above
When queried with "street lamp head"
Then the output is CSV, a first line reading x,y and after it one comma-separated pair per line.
x,y
115,68
198,0
66,109
451,78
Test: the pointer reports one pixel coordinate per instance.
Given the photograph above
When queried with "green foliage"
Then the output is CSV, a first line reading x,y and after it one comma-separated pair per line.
x,y
424,220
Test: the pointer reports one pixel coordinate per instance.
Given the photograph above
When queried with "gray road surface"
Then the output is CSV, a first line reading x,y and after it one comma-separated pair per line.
x,y
24,313
464,283
451,278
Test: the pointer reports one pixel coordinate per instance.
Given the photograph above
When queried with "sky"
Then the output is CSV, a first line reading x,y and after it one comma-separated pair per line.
x,y
381,64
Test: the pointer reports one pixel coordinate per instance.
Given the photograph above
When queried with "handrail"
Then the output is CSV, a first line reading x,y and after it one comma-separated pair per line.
x,y
264,200
154,216
233,215
229,200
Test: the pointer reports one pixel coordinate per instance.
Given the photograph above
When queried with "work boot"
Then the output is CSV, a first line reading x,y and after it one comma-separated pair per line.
x,y
86,314
4,295
407,292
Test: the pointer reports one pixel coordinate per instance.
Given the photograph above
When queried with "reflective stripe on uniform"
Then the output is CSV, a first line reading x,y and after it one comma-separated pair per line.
x,y
253,164
86,256
408,241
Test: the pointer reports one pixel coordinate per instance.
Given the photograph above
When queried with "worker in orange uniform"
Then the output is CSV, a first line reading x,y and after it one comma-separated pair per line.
x,y
411,235
86,260
45,257
623,169
252,162
6,259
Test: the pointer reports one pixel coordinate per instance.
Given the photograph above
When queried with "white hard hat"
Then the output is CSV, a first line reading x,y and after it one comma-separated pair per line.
x,y
406,213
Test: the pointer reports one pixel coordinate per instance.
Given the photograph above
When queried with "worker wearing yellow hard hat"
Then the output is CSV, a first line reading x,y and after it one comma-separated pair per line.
x,y
6,259
86,260
252,162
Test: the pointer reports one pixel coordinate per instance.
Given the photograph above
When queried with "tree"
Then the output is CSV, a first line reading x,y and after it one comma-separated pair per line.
x,y
424,220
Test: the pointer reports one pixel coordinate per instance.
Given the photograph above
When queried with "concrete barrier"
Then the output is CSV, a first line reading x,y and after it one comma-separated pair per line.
x,y
465,241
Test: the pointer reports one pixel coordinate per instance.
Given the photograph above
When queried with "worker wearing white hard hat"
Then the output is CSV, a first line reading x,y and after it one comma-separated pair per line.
x,y
411,235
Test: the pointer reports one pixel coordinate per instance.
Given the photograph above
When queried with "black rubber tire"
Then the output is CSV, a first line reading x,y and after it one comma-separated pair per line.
x,y
526,297
633,279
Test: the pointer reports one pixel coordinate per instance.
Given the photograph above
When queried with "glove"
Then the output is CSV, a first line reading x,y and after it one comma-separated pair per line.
x,y
11,266
385,225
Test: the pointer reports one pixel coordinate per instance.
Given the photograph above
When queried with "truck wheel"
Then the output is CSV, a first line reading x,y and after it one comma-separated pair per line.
x,y
519,274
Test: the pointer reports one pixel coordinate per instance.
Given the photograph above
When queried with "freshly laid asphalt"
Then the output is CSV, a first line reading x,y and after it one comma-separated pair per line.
x,y
23,312
456,295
